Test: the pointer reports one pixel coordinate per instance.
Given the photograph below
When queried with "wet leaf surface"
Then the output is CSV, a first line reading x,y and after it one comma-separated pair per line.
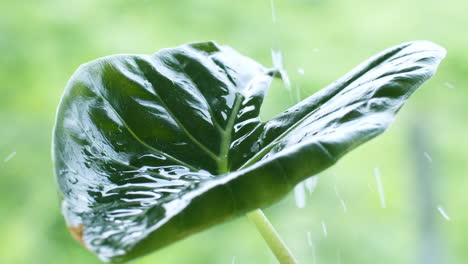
x,y
150,149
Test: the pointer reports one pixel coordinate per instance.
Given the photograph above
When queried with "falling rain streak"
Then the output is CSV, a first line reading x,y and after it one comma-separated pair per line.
x,y
233,260
298,93
338,256
343,204
300,191
380,188
311,244
309,239
449,85
428,157
314,255
277,57
273,12
7,159
300,195
443,213
324,228
311,183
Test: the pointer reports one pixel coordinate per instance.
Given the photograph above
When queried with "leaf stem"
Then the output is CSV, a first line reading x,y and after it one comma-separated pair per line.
x,y
272,238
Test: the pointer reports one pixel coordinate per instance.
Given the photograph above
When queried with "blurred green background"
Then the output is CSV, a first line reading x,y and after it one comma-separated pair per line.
x,y
43,42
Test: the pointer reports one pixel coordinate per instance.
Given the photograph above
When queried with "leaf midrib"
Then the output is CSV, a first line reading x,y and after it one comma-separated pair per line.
x,y
189,135
226,135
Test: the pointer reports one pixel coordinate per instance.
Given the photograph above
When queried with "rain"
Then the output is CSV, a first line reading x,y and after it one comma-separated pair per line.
x,y
311,184
273,12
277,57
324,228
428,157
443,213
343,204
311,244
298,93
300,195
380,188
300,191
449,85
9,157
309,239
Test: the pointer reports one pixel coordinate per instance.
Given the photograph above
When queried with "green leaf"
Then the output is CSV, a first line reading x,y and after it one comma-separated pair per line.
x,y
150,149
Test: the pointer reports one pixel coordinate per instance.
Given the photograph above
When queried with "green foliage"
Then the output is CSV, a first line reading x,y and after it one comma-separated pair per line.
x,y
43,42
150,149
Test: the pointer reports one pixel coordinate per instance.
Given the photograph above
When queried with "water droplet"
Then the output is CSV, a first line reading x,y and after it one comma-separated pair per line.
x,y
300,71
443,213
147,203
224,115
159,156
237,127
97,242
136,234
87,152
246,110
72,180
155,156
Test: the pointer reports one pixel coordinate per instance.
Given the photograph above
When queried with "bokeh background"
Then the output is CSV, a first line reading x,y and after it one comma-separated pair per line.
x,y
422,159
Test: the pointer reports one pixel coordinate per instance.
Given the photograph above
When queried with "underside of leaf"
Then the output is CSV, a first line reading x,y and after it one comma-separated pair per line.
x,y
151,149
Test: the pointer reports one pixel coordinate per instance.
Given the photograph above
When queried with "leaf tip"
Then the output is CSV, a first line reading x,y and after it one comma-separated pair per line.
x,y
428,45
77,233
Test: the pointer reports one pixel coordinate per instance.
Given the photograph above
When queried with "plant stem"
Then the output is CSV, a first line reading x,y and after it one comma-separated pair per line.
x,y
269,234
